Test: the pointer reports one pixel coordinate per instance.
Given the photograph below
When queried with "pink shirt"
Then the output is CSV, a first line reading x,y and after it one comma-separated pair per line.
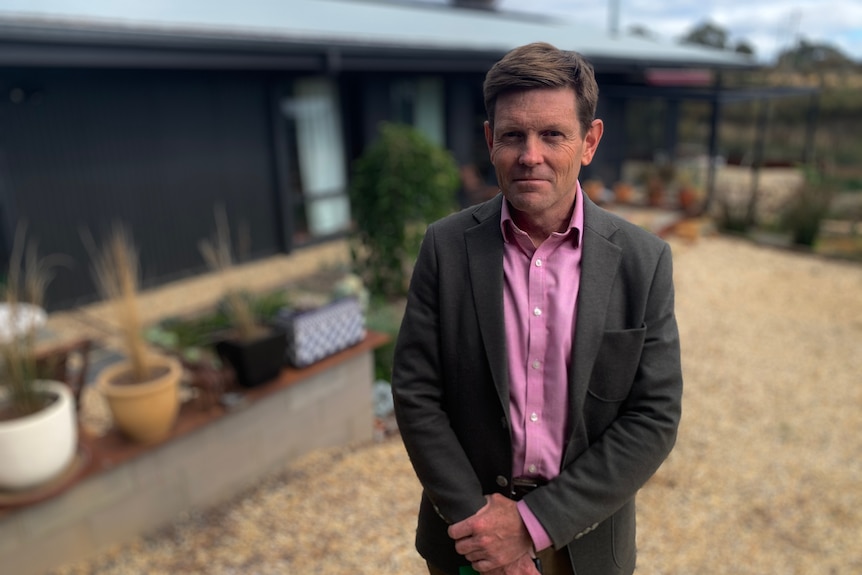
x,y
540,297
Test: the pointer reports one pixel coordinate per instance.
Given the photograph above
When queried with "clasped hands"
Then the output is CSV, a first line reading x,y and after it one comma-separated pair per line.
x,y
495,539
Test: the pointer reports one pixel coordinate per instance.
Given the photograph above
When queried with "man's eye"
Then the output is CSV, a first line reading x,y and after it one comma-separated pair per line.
x,y
553,134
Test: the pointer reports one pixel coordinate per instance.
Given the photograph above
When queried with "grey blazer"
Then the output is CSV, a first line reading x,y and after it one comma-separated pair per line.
x,y
451,390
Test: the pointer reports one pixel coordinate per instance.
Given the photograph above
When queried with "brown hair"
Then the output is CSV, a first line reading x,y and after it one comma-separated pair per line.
x,y
540,65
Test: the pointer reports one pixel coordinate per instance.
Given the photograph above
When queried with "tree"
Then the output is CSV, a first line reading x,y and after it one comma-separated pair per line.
x,y
744,47
707,34
808,55
641,31
477,4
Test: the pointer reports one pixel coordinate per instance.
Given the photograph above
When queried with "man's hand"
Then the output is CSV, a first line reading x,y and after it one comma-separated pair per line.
x,y
521,566
494,537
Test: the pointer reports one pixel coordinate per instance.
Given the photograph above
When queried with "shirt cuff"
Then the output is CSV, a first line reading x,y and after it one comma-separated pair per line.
x,y
540,537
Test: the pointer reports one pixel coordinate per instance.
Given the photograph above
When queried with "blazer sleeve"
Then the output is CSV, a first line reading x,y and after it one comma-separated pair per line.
x,y
629,436
440,462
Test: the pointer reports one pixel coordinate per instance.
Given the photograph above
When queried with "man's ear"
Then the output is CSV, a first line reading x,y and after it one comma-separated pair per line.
x,y
489,136
591,142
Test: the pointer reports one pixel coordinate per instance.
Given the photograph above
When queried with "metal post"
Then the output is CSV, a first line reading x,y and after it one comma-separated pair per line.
x,y
614,17
714,121
811,128
763,115
671,130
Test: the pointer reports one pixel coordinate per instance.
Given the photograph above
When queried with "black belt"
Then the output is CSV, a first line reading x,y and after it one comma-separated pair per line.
x,y
523,485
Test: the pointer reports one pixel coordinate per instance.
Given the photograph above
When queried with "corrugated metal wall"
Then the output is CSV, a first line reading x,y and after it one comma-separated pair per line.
x,y
156,150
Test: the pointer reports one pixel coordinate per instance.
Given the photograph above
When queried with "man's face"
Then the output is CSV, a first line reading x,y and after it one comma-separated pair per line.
x,y
537,149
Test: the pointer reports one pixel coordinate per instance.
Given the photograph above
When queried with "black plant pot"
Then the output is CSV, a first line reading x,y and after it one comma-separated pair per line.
x,y
255,361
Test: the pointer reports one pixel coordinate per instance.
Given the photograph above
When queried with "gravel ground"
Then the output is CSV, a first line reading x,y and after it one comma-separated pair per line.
x,y
766,476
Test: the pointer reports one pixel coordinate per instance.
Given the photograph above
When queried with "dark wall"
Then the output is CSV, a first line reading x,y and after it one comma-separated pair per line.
x,y
155,150
608,161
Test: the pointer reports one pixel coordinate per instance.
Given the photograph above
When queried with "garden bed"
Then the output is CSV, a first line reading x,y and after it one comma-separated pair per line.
x,y
117,489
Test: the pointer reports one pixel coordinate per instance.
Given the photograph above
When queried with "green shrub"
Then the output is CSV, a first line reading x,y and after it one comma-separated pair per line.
x,y
400,184
809,206
384,317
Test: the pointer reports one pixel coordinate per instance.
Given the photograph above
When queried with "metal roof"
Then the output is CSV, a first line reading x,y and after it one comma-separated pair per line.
x,y
284,25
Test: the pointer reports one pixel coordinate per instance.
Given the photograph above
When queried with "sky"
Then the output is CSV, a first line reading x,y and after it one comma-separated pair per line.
x,y
768,25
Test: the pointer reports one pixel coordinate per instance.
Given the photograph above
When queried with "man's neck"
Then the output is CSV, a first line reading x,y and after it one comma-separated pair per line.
x,y
538,228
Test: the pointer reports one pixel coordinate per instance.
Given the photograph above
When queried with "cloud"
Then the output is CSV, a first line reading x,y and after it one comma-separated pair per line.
x,y
769,25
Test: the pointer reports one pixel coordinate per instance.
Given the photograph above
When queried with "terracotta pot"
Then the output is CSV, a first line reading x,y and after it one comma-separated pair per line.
x,y
38,447
655,193
687,199
623,193
594,189
144,411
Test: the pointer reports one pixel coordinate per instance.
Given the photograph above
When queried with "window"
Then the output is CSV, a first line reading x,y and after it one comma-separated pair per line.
x,y
318,170
419,103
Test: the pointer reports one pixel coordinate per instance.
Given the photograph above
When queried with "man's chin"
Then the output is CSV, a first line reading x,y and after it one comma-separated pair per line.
x,y
525,202
528,194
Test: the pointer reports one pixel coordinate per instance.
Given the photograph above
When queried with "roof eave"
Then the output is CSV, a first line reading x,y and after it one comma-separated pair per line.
x,y
41,42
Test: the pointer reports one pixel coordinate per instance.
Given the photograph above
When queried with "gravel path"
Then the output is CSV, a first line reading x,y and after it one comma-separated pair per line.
x,y
766,476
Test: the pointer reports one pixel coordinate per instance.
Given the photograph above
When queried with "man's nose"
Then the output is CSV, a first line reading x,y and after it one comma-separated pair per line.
x,y
531,152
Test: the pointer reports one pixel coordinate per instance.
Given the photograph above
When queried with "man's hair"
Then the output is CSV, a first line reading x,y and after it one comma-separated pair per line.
x,y
540,65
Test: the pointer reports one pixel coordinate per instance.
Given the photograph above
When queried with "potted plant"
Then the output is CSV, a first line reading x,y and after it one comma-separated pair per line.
x,y
688,194
142,391
656,178
320,325
38,427
623,192
595,190
255,350
186,340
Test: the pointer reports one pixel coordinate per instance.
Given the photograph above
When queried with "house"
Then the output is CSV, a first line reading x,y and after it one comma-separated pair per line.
x,y
152,114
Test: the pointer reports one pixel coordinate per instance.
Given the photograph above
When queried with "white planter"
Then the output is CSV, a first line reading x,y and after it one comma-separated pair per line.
x,y
38,447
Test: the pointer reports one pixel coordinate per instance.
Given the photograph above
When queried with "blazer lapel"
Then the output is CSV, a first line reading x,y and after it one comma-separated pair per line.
x,y
599,262
484,244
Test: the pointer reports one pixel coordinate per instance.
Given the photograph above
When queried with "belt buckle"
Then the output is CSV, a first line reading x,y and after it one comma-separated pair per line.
x,y
525,483
521,486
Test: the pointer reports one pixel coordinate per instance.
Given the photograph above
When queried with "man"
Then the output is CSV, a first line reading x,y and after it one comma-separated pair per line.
x,y
537,377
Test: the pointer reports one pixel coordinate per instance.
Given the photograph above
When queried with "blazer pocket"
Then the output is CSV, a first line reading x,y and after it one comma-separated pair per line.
x,y
616,364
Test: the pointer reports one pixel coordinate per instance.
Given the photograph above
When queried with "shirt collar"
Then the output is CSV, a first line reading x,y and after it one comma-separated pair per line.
x,y
576,223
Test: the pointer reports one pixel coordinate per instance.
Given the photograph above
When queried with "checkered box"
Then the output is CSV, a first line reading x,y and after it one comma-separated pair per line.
x,y
318,333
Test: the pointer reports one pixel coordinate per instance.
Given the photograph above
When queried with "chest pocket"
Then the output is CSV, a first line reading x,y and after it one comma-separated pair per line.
x,y
616,364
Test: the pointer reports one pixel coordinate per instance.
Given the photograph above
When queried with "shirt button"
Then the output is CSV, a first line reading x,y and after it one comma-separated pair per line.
x,y
537,312
538,263
534,416
531,469
537,364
